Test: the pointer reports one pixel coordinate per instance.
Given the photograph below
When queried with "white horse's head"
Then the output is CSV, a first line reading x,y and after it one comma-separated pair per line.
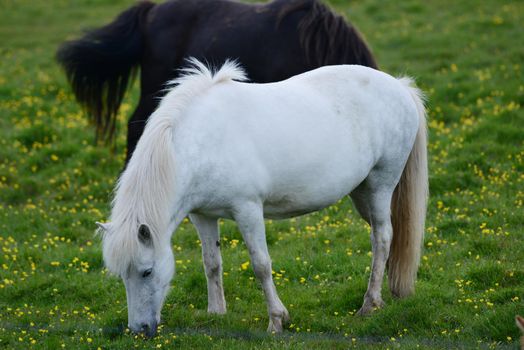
x,y
146,267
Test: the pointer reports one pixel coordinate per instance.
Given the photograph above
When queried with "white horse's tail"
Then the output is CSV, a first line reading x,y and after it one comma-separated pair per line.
x,y
408,208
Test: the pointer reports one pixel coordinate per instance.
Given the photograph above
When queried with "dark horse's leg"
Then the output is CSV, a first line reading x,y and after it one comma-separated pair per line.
x,y
137,123
153,76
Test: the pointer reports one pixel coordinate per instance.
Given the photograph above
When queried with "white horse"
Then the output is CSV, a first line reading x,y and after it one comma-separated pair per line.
x,y
220,148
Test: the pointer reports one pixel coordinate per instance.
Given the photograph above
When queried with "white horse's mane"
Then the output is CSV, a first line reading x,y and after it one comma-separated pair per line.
x,y
145,190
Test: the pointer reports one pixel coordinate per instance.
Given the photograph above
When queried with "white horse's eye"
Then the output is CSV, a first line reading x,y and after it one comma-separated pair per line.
x,y
147,273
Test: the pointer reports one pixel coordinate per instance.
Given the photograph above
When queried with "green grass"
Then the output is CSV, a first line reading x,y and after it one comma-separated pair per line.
x,y
54,184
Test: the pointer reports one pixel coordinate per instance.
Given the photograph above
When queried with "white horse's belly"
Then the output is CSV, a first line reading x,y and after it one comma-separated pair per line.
x,y
313,191
291,205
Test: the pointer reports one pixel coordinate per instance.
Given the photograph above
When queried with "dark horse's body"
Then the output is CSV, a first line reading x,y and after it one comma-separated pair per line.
x,y
272,41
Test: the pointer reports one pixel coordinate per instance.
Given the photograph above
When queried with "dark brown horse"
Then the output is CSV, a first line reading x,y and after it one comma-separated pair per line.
x,y
272,41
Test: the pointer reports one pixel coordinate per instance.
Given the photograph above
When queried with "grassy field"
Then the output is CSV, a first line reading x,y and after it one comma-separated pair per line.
x,y
55,183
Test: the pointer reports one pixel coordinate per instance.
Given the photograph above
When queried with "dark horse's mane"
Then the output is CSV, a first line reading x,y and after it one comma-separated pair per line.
x,y
156,38
321,33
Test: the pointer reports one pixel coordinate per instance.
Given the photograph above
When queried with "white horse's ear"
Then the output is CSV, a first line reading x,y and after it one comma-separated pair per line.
x,y
144,235
104,226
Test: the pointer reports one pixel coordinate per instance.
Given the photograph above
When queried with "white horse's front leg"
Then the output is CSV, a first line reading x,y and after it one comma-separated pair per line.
x,y
210,237
381,234
250,221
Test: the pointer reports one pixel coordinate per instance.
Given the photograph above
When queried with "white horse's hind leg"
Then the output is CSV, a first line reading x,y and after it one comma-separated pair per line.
x,y
209,236
250,222
375,208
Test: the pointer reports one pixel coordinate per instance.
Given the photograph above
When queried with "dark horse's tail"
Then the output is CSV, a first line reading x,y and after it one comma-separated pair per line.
x,y
100,65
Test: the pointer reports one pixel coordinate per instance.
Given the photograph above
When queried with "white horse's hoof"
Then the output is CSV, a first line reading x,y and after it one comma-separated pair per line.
x,y
369,306
276,323
216,310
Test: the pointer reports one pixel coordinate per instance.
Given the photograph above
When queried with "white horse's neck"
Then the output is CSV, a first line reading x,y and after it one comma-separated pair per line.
x,y
146,190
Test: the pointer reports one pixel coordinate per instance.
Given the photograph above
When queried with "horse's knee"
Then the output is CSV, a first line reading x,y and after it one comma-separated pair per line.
x,y
213,266
261,266
213,271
